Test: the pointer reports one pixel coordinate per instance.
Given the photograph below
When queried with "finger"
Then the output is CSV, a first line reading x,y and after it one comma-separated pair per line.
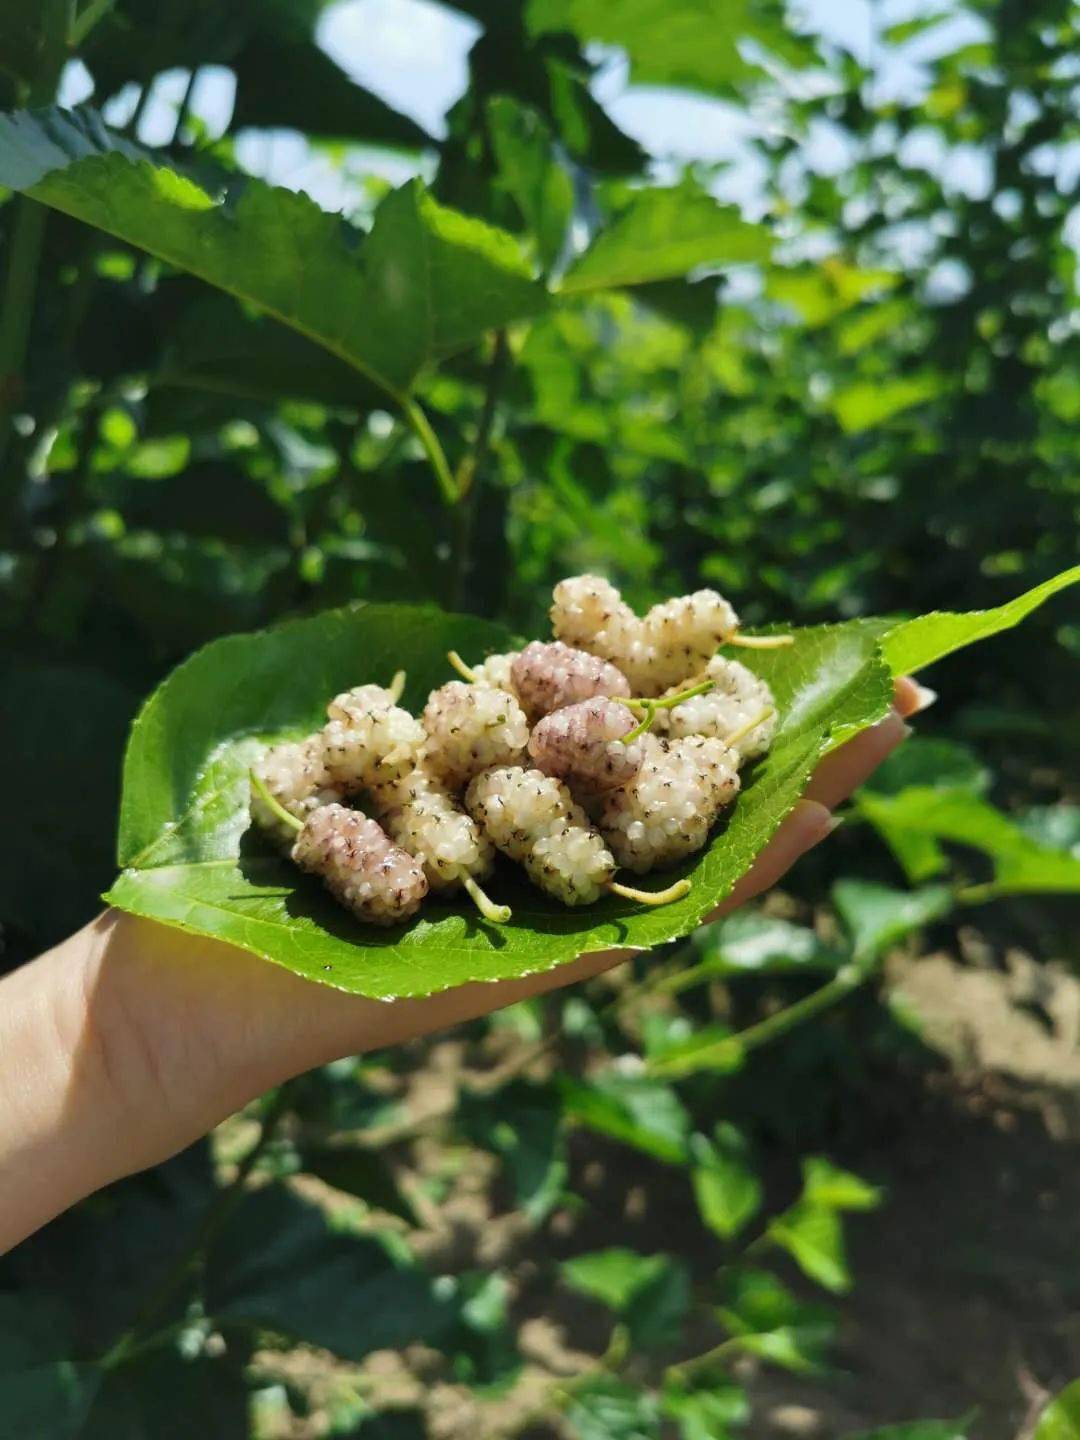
x,y
906,696
847,768
806,826
911,698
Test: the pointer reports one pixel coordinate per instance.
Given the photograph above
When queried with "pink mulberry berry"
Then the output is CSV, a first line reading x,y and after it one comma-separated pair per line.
x,y
359,865
582,744
549,676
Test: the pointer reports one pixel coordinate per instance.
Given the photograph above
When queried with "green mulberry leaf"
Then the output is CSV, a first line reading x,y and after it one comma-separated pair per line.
x,y
426,281
1061,1418
661,234
191,861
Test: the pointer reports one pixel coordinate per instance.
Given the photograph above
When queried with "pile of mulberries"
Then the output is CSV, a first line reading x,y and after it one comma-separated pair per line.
x,y
617,744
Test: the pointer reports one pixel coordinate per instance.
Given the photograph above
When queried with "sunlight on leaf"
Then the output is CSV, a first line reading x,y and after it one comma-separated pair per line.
x,y
425,282
665,233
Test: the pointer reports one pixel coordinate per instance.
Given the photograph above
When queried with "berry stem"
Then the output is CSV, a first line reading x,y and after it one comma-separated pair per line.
x,y
762,642
741,733
497,914
275,806
651,897
397,686
669,701
642,726
462,669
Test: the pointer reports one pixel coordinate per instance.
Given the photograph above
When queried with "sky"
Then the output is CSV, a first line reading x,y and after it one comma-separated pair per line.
x,y
413,53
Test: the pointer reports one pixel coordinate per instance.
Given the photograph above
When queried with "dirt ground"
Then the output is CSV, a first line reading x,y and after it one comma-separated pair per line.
x,y
967,1293
967,1290
968,1280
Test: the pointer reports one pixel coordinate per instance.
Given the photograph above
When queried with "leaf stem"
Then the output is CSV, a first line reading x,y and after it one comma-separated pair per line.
x,y
183,110
470,472
24,258
131,124
421,428
846,979
680,980
978,894
651,897
275,806
497,914
682,1368
81,26
471,464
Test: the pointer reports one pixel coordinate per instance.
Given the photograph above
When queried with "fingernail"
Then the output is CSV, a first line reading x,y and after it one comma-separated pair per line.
x,y
818,818
894,726
925,697
835,823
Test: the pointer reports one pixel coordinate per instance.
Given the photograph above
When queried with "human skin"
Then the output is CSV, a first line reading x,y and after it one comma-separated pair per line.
x,y
130,1039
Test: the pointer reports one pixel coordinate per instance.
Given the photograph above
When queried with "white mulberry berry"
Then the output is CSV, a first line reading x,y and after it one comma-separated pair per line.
x,y
589,613
496,672
548,676
573,865
424,820
738,695
294,774
358,864
683,634
582,745
533,818
667,810
369,738
585,605
672,642
469,728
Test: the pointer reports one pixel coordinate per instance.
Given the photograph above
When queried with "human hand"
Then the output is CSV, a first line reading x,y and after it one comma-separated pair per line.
x,y
154,1035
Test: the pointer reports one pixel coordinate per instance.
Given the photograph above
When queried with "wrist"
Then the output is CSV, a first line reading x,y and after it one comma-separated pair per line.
x,y
175,1029
58,1123
108,1065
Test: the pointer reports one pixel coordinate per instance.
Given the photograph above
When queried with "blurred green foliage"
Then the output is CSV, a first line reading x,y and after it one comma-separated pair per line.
x,y
861,396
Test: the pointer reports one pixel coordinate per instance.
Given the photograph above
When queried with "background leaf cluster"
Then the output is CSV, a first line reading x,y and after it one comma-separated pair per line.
x,y
552,347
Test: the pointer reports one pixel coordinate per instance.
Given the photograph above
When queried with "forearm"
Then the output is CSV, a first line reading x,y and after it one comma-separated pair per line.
x,y
130,1040
98,1077
56,1136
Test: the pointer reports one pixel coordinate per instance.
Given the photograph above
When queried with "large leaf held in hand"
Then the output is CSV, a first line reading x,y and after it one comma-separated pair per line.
x,y
192,861
913,644
425,282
